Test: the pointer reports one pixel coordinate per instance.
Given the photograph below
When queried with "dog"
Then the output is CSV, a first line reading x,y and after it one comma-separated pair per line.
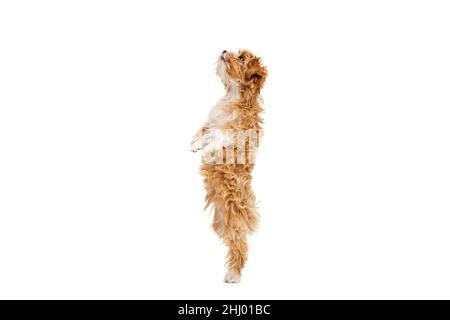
x,y
229,139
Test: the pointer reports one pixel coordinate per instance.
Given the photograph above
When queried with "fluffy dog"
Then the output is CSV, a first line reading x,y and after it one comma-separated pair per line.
x,y
229,139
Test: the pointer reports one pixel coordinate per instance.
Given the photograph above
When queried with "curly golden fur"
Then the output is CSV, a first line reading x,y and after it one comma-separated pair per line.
x,y
228,184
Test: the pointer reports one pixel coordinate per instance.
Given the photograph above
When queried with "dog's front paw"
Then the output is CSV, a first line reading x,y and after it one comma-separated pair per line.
x,y
196,144
232,276
193,149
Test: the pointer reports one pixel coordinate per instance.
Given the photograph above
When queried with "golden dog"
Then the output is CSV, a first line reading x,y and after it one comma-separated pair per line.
x,y
229,139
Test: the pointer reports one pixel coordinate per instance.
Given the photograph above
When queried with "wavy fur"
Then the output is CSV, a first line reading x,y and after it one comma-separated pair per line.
x,y
228,186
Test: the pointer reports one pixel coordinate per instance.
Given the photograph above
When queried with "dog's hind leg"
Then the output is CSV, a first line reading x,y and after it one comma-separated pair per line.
x,y
236,241
240,219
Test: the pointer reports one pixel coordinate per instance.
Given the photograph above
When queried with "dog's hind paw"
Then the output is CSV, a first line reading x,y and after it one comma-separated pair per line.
x,y
232,277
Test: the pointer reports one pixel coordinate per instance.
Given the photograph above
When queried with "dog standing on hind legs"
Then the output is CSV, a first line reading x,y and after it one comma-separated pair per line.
x,y
229,139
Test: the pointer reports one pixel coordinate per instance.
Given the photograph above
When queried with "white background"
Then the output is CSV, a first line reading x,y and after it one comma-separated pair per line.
x,y
100,196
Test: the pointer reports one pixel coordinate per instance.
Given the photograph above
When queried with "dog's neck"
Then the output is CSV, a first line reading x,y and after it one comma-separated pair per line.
x,y
235,92
232,92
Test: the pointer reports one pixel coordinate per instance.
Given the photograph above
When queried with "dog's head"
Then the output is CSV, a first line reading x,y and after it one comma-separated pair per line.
x,y
242,68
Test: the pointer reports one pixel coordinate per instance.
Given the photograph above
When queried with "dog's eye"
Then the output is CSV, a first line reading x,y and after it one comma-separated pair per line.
x,y
241,58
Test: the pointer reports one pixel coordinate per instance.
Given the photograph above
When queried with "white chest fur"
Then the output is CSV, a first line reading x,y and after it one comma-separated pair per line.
x,y
219,116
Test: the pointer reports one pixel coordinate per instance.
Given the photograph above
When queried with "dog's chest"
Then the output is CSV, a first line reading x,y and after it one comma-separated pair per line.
x,y
221,114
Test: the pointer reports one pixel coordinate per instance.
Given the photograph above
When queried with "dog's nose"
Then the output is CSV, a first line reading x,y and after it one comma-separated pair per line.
x,y
224,51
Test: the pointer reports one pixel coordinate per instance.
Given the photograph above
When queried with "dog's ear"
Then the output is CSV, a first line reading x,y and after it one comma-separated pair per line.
x,y
256,74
